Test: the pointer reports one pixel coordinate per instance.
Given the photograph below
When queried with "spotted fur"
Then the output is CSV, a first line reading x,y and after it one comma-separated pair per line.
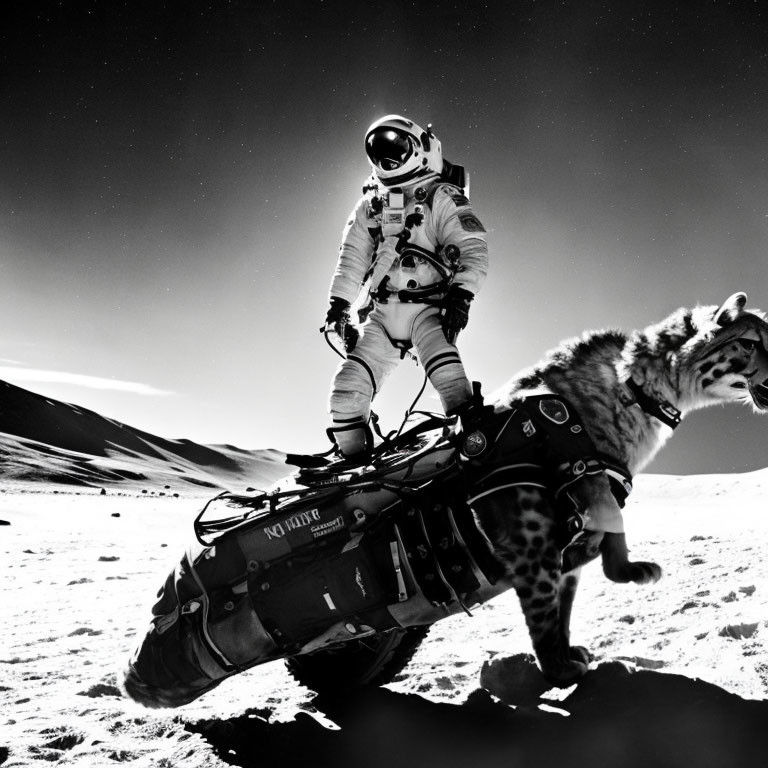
x,y
692,359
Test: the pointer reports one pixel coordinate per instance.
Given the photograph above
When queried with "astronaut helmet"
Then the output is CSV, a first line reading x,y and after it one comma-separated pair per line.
x,y
402,153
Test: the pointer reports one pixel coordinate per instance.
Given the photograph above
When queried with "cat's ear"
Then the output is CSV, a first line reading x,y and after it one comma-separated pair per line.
x,y
731,308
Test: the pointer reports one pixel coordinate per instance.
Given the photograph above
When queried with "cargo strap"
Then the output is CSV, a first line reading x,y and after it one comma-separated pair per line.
x,y
445,550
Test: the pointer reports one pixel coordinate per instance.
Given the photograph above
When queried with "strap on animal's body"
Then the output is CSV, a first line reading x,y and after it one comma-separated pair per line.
x,y
542,443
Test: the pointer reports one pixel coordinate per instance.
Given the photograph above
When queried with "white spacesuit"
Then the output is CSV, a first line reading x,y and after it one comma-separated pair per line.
x,y
414,240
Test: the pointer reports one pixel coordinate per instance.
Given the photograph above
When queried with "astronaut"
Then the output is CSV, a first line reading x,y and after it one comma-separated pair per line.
x,y
414,241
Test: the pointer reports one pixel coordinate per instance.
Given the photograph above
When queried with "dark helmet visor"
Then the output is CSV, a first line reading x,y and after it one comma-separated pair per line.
x,y
388,149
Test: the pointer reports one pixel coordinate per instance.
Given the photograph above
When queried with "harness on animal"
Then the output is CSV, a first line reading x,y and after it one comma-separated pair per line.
x,y
542,443
348,547
305,568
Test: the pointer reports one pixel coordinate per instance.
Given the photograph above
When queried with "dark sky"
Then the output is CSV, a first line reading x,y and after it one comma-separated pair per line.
x,y
174,179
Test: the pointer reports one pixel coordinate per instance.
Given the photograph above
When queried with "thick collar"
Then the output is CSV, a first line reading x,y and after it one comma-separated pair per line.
x,y
663,410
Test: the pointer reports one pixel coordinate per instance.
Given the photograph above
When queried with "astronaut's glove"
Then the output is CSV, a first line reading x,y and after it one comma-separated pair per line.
x,y
456,311
337,321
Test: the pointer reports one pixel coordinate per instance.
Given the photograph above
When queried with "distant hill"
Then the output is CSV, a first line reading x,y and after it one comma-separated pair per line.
x,y
45,440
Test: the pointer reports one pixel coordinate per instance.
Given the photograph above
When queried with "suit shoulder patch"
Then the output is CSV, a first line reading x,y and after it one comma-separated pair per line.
x,y
470,222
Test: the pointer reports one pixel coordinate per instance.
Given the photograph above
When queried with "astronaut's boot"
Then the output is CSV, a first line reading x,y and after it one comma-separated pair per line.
x,y
354,442
473,415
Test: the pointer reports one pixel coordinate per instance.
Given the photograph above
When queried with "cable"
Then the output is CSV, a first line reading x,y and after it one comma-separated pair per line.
x,y
409,411
388,439
328,341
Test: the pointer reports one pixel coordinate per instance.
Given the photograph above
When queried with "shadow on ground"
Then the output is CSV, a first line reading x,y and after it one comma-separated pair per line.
x,y
618,716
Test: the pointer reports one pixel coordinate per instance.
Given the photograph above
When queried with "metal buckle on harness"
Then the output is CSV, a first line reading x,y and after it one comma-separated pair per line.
x,y
670,411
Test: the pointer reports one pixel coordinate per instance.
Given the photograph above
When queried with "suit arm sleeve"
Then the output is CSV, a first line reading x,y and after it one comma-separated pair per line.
x,y
456,224
355,255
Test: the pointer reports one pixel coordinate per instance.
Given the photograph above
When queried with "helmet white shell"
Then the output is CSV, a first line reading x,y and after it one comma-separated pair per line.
x,y
402,153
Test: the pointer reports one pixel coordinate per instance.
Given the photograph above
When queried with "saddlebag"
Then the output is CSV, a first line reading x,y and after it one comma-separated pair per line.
x,y
285,574
262,592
